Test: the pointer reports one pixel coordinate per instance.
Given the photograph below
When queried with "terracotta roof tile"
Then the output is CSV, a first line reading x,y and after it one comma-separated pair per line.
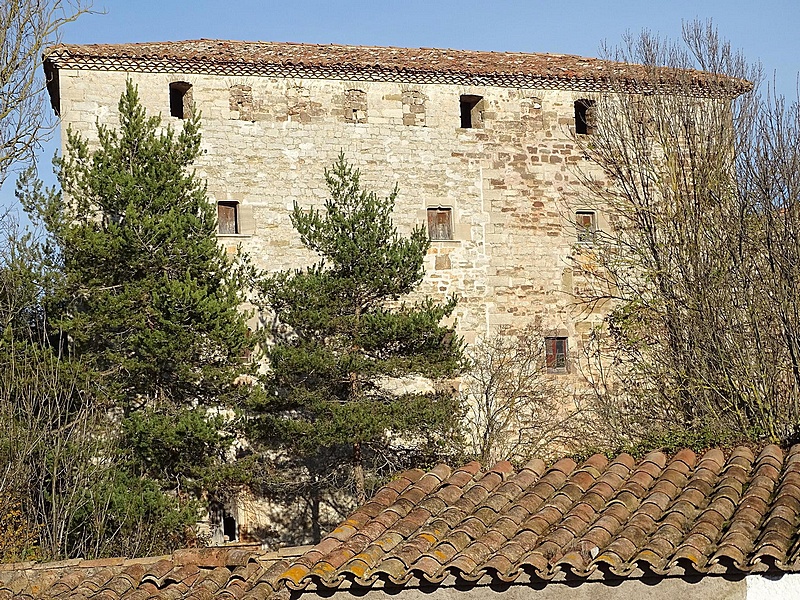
x,y
229,572
413,65
666,515
702,512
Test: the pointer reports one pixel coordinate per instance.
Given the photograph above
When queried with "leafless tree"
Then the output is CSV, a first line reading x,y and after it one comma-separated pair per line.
x,y
27,27
54,437
698,173
515,409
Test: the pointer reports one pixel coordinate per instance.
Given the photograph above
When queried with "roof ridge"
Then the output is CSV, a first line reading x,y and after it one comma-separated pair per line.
x,y
388,63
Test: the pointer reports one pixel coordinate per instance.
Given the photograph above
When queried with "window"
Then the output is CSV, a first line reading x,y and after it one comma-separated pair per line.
x,y
586,226
556,354
228,218
180,99
584,117
471,111
440,223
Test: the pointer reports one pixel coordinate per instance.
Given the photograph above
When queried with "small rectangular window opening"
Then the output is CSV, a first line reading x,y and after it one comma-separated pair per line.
x,y
584,117
556,354
228,218
440,223
471,111
180,99
586,226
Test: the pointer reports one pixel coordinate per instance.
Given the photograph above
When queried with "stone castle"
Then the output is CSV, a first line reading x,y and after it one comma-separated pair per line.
x,y
482,145
486,147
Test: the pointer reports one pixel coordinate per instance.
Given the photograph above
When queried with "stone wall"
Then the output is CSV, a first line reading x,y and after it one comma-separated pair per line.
x,y
509,181
694,588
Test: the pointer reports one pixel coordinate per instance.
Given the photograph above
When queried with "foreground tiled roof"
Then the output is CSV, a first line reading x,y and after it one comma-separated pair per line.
x,y
600,519
227,572
368,63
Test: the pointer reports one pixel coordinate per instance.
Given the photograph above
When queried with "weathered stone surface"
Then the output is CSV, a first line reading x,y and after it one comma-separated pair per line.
x,y
510,184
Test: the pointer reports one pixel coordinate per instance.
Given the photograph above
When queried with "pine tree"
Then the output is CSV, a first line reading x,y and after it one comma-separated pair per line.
x,y
149,301
344,339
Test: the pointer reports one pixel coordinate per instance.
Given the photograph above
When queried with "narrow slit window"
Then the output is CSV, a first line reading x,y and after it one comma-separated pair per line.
x,y
556,354
586,226
180,99
584,117
471,111
228,218
440,223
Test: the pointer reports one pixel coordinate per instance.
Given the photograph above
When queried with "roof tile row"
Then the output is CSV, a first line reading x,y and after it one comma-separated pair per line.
x,y
663,515
414,65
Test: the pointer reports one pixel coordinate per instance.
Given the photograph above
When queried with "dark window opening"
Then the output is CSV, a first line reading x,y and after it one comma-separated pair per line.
x,y
586,226
229,529
440,223
471,111
584,117
180,99
556,354
228,218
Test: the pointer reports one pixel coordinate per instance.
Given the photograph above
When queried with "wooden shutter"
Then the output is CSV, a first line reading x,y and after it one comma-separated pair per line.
x,y
556,353
226,217
585,224
550,352
440,224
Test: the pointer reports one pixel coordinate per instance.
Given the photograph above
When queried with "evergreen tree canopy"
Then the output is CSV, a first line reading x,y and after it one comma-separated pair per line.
x,y
344,338
151,300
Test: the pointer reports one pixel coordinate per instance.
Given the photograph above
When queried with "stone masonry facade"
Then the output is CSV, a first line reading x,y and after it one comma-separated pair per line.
x,y
505,178
486,149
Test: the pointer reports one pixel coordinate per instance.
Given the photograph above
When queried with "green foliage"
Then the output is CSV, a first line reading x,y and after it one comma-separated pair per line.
x,y
132,296
150,299
18,537
127,515
179,444
343,338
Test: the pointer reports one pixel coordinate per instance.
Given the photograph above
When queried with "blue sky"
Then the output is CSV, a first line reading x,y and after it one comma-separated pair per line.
x,y
765,30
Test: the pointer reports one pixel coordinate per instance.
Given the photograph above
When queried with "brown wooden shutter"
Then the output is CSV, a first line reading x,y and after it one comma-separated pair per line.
x,y
585,224
226,217
440,224
550,352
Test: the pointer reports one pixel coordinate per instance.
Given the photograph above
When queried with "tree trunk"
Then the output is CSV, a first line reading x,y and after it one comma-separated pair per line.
x,y
316,533
358,474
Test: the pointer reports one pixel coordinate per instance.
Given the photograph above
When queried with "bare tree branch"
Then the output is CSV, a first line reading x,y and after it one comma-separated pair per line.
x,y
27,27
702,189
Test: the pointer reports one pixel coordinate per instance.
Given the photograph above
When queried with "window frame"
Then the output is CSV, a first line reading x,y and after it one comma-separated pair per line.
x,y
180,99
471,111
584,116
556,361
586,235
435,212
228,204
